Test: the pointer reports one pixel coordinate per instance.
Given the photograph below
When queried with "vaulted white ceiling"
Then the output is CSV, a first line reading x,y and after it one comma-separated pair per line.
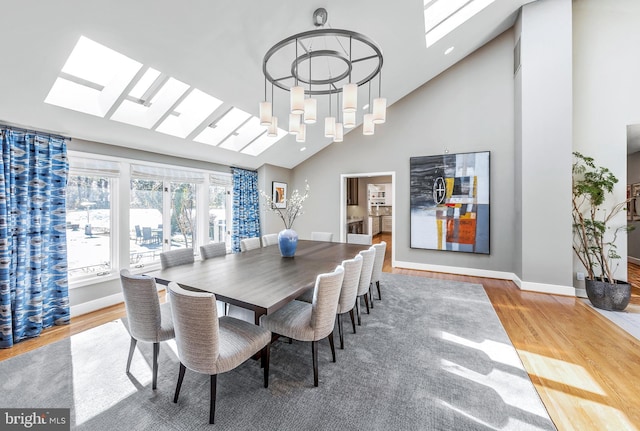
x,y
216,47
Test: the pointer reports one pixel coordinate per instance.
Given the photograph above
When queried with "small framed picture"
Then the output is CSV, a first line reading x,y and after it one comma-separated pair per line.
x,y
279,194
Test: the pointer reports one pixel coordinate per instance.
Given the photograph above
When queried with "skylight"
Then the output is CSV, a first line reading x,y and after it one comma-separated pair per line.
x,y
244,135
141,114
192,111
94,80
441,17
221,129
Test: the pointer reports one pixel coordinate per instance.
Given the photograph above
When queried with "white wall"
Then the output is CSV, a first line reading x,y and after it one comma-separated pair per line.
x,y
543,147
270,222
606,86
467,108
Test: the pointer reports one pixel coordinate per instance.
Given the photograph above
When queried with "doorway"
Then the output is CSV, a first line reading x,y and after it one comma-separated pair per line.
x,y
368,202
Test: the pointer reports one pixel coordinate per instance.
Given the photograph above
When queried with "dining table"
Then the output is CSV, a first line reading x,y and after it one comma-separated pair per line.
x,y
260,280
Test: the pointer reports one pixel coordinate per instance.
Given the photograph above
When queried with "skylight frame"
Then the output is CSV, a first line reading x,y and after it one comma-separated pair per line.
x,y
100,81
466,9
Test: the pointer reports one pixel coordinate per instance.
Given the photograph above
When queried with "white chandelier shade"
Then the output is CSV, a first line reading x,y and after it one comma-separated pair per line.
x,y
272,131
297,100
265,113
350,98
368,128
379,110
349,120
330,127
302,133
294,123
310,110
339,133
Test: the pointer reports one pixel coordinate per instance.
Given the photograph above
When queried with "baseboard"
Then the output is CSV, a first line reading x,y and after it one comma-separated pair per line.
x,y
474,272
633,260
97,304
554,289
501,275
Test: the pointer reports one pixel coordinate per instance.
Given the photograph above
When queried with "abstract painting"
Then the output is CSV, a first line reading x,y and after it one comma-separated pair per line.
x,y
450,202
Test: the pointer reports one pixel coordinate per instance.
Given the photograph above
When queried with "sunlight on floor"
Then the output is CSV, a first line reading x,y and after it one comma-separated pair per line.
x,y
508,386
498,352
563,372
601,414
99,380
512,423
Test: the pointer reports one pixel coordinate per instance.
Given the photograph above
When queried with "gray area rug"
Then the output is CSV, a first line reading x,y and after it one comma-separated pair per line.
x,y
432,355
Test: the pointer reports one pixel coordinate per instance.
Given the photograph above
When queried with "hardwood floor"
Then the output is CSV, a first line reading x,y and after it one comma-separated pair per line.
x,y
634,278
586,369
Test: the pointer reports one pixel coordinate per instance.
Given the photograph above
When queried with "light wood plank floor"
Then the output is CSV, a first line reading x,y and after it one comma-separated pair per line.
x,y
586,369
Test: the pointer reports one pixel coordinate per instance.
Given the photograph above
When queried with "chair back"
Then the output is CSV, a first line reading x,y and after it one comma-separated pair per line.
x,y
270,239
349,290
195,319
325,302
142,306
379,261
358,238
322,236
179,256
146,234
249,244
138,231
368,258
214,249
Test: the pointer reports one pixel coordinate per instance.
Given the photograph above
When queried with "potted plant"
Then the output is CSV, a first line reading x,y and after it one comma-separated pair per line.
x,y
292,208
594,240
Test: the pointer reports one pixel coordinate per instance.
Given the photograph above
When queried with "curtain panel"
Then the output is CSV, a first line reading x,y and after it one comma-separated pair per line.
x,y
246,207
33,243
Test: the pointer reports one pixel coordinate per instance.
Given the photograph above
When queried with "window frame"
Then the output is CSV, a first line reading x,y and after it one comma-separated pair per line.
x,y
120,198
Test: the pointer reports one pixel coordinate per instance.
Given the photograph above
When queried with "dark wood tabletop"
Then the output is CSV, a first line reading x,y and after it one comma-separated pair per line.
x,y
261,280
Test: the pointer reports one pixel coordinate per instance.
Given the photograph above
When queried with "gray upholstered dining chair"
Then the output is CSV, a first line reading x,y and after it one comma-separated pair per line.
x,y
146,319
348,292
214,249
368,258
378,263
322,236
358,238
269,239
249,244
179,256
310,322
212,346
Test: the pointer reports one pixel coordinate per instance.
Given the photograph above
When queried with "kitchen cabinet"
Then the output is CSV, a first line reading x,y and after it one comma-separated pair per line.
x,y
355,226
374,225
387,223
380,194
352,191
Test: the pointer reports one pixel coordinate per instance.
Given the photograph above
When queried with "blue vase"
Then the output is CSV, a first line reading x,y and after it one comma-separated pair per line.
x,y
288,242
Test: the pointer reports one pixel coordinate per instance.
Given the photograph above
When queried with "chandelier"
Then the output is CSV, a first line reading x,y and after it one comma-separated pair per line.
x,y
324,63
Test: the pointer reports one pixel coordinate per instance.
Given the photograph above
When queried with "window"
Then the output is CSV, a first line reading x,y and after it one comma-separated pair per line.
x,y
164,208
183,215
220,187
90,208
145,221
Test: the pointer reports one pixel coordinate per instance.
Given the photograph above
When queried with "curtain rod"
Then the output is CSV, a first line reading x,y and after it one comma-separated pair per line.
x,y
22,129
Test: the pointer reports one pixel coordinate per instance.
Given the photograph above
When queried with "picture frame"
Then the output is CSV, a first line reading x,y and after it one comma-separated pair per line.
x,y
279,194
449,202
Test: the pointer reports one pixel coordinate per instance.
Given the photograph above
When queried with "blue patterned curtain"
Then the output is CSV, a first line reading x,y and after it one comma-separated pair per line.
x,y
246,207
33,242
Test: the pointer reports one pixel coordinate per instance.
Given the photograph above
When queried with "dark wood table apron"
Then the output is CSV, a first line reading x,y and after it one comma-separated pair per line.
x,y
260,280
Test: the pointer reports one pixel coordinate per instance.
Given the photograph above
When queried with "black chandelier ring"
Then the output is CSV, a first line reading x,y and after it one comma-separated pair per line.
x,y
312,35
